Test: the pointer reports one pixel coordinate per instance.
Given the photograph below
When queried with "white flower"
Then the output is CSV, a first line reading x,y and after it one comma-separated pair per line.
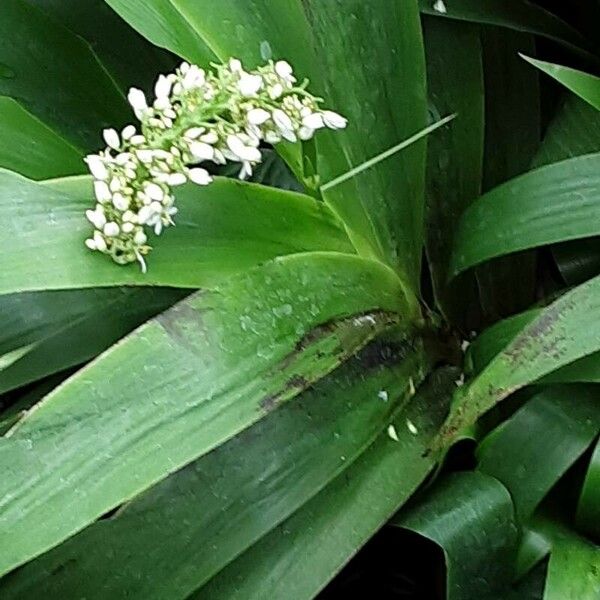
x,y
249,84
145,155
176,179
120,202
194,78
235,66
285,125
210,138
305,133
241,151
154,191
96,217
440,6
199,176
162,89
195,116
314,121
202,151
144,214
193,132
333,120
111,137
140,238
284,70
128,132
137,99
271,137
99,241
275,91
246,170
97,167
101,191
258,116
111,229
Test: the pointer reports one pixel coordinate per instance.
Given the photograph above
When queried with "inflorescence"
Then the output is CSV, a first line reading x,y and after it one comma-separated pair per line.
x,y
197,116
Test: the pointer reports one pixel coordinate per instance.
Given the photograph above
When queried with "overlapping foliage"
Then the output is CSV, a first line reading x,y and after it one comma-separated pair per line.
x,y
291,373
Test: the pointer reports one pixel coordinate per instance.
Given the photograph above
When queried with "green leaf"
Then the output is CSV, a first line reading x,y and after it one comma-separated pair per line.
x,y
512,137
535,447
234,495
17,408
513,14
61,329
574,567
188,381
129,58
221,229
383,207
470,516
32,148
551,204
586,86
494,339
574,131
300,556
56,76
563,332
455,154
588,509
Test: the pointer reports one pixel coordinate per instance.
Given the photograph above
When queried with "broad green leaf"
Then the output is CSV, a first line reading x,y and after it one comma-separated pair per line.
x,y
188,381
300,556
574,567
535,447
512,137
588,509
357,43
129,58
563,332
209,512
586,86
17,408
494,339
551,204
223,228
61,329
574,131
533,548
55,75
520,15
31,148
470,516
497,337
455,154
342,47
530,586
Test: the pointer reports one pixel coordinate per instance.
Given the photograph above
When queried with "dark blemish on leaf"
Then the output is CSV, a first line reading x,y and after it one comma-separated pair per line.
x,y
381,353
538,329
183,324
294,384
271,402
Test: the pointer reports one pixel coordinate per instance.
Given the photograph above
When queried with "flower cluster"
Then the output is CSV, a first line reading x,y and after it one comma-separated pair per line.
x,y
197,116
